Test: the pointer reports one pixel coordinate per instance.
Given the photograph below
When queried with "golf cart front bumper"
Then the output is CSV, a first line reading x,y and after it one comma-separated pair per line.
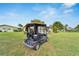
x,y
28,45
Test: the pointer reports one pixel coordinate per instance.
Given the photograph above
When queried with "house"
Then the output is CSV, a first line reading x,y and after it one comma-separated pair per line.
x,y
7,28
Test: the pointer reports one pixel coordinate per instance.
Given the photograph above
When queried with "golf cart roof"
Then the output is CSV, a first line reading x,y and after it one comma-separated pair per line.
x,y
35,24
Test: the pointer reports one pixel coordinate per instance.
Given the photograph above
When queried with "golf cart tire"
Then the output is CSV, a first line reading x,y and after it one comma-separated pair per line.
x,y
37,47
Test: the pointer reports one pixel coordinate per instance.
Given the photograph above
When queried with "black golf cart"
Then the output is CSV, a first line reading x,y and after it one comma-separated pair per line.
x,y
36,35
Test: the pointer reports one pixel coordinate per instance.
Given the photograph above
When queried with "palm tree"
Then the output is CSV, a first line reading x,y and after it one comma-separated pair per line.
x,y
77,28
65,27
20,27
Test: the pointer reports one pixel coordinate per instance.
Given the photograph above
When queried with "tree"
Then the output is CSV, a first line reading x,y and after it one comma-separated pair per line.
x,y
57,26
77,28
37,21
20,27
66,27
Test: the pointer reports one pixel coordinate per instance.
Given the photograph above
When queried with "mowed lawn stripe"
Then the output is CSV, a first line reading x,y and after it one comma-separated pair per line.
x,y
59,44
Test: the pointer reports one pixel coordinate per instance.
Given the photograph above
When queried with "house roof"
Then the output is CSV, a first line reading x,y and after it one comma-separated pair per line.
x,y
8,26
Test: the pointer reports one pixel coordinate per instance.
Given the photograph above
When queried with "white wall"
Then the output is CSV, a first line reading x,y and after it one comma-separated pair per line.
x,y
7,29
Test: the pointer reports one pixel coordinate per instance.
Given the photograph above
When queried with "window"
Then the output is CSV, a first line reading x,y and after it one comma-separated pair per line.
x,y
9,28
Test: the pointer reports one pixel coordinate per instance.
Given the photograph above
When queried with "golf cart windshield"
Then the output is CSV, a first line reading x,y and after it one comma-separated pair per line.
x,y
31,29
36,28
41,30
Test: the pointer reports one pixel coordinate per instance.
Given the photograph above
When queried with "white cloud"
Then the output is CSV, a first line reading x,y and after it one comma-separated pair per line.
x,y
11,18
69,5
37,9
68,11
48,13
44,12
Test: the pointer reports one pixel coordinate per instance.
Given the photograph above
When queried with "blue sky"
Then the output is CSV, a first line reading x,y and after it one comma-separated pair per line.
x,y
18,13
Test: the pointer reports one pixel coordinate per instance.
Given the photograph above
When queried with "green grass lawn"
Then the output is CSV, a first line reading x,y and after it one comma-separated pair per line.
x,y
59,44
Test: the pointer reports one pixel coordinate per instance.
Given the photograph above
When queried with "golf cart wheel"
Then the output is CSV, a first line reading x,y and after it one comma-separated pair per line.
x,y
37,47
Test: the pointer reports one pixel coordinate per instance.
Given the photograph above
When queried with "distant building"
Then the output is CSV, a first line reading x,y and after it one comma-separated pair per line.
x,y
7,28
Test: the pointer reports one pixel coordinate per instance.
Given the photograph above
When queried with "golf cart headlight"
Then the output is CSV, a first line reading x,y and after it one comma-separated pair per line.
x,y
35,36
